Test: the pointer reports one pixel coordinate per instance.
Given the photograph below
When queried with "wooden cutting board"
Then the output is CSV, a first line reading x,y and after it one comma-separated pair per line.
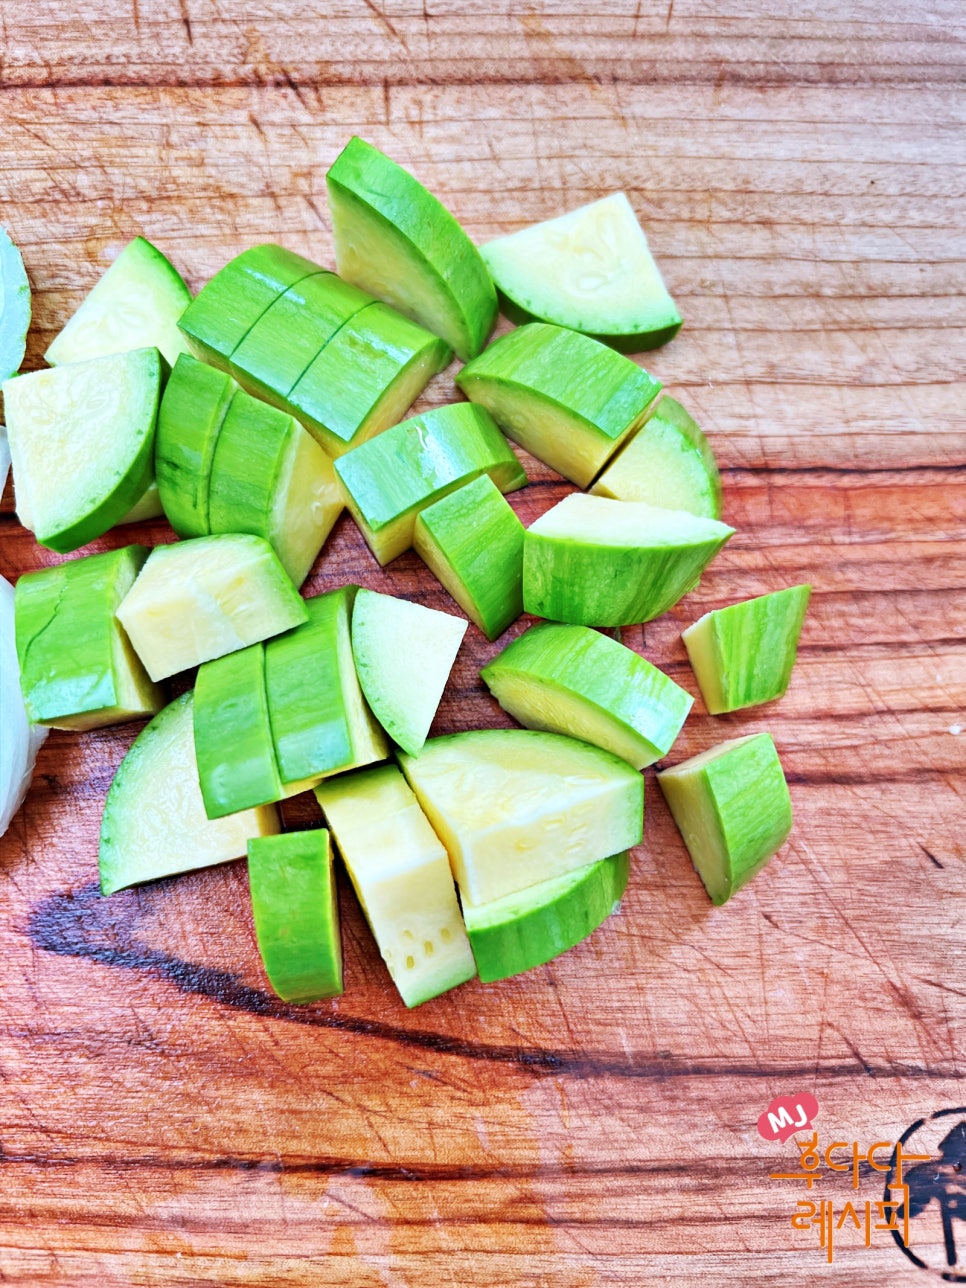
x,y
163,1119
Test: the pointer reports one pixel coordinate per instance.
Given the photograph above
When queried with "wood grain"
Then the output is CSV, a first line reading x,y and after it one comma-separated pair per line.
x,y
163,1119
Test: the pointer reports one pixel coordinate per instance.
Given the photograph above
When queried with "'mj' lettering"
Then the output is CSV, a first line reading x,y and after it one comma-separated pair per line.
x,y
787,1115
784,1119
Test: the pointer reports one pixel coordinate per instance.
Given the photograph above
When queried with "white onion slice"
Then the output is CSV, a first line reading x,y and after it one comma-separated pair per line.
x,y
19,740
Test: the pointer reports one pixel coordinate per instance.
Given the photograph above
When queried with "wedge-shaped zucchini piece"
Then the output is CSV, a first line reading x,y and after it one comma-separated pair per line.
x,y
473,542
198,600
390,479
403,653
14,307
295,907
77,668
596,562
82,444
190,417
743,655
569,400
136,304
572,680
291,332
668,463
270,478
366,378
527,929
154,823
732,808
402,878
320,721
515,808
400,243
590,269
225,310
233,735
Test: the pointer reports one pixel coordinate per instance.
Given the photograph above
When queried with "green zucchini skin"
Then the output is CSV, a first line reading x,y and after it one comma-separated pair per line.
x,y
320,722
472,540
575,681
295,908
396,240
390,479
743,655
591,561
628,343
77,669
566,398
223,312
246,465
366,378
233,735
732,807
528,929
292,332
192,411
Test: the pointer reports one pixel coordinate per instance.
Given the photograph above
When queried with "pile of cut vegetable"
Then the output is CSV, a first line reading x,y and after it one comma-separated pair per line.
x,y
250,416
